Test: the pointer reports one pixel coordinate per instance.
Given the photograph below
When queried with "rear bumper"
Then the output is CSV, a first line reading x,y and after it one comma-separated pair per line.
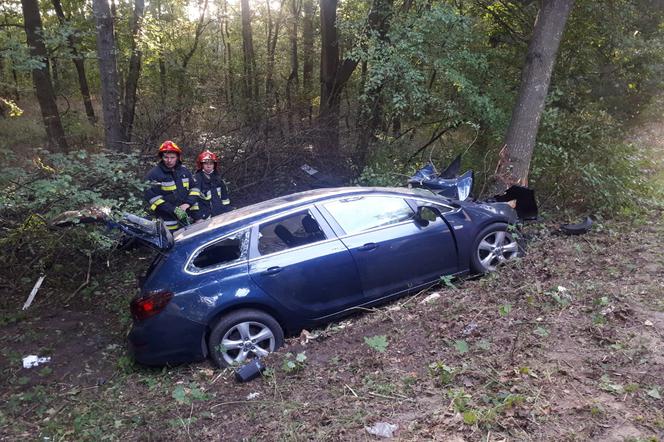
x,y
167,340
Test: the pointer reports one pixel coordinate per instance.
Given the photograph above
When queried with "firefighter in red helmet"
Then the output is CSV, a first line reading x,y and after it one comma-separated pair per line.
x,y
169,195
209,187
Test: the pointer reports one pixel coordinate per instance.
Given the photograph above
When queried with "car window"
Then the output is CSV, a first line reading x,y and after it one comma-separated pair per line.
x,y
359,214
292,231
442,208
224,251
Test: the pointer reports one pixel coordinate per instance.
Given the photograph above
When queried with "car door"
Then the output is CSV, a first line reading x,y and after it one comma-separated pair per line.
x,y
297,260
392,250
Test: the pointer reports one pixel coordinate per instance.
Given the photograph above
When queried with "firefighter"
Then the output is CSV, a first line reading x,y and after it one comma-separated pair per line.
x,y
209,187
169,195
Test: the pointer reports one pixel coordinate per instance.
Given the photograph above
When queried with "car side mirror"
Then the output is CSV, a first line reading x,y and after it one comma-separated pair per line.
x,y
427,214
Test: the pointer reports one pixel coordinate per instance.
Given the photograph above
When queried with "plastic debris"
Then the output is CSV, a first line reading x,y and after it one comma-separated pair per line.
x,y
470,328
432,297
382,429
249,371
31,297
251,396
307,336
648,323
34,360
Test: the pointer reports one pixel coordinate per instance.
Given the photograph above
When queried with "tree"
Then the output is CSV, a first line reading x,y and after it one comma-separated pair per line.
x,y
514,162
250,81
40,77
108,74
79,63
131,84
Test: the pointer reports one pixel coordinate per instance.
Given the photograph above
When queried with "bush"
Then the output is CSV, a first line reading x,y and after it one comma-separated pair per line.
x,y
33,194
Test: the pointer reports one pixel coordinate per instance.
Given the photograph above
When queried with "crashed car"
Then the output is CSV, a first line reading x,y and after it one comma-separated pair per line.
x,y
232,287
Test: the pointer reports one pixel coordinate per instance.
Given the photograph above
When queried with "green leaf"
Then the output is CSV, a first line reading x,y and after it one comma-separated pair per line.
x,y
461,346
505,309
180,395
469,418
378,343
301,358
541,331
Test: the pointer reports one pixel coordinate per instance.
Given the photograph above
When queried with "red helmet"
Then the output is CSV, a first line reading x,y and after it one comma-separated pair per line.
x,y
206,155
169,146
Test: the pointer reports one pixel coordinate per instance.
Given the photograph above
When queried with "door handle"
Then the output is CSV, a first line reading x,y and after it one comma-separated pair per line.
x,y
272,271
368,246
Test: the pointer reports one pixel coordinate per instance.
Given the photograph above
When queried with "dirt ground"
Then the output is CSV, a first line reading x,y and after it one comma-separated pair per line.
x,y
564,344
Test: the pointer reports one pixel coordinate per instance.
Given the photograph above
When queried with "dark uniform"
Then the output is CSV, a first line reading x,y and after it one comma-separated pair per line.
x,y
168,189
212,195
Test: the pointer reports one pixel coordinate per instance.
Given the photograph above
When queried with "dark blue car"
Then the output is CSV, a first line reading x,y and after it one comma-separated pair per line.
x,y
230,288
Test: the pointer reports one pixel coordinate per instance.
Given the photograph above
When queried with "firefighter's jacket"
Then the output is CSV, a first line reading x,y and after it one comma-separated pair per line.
x,y
168,189
212,195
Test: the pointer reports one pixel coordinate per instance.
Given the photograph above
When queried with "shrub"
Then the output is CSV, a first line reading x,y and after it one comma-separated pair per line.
x,y
32,194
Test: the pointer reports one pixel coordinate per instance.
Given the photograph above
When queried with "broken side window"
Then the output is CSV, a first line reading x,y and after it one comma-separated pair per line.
x,y
224,251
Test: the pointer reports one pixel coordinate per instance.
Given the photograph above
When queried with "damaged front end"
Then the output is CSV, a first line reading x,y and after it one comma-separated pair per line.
x,y
452,185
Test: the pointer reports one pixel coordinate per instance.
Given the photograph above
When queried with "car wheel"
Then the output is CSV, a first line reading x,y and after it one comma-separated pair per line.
x,y
242,335
494,245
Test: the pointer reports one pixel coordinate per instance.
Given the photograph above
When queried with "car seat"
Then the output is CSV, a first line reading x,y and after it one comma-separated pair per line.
x,y
314,233
285,235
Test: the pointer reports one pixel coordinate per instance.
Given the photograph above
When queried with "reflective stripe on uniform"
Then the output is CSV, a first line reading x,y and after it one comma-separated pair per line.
x,y
171,225
225,202
185,183
157,200
207,196
168,185
194,207
195,192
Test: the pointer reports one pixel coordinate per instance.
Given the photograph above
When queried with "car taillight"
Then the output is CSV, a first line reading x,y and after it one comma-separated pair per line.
x,y
150,304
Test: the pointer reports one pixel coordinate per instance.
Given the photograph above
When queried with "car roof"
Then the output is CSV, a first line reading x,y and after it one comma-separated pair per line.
x,y
255,212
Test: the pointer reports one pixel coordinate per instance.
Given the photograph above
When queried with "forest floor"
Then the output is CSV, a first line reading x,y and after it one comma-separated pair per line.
x,y
564,344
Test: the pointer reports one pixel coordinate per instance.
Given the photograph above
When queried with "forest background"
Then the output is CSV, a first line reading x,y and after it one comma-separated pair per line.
x,y
363,91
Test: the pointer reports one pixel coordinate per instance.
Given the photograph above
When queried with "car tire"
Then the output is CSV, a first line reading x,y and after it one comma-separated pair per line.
x,y
494,245
242,335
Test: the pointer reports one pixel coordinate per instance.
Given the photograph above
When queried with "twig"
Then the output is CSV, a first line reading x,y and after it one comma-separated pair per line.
x,y
351,390
86,282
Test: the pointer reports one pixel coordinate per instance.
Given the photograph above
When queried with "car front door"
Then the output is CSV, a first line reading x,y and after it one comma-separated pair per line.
x,y
393,251
297,260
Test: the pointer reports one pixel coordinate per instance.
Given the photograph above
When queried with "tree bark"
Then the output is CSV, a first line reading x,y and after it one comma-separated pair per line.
x,y
308,47
371,112
40,76
79,64
293,81
515,156
131,85
108,75
250,81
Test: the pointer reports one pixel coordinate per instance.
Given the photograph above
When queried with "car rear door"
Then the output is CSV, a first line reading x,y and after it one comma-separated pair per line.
x,y
392,250
298,260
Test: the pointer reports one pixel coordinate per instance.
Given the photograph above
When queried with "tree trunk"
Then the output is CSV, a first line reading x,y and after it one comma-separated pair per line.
x,y
131,85
307,46
293,81
225,40
371,112
108,75
200,27
40,76
329,65
250,82
79,64
514,161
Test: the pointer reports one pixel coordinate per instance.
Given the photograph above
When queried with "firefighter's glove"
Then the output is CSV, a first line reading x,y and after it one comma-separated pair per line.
x,y
181,215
